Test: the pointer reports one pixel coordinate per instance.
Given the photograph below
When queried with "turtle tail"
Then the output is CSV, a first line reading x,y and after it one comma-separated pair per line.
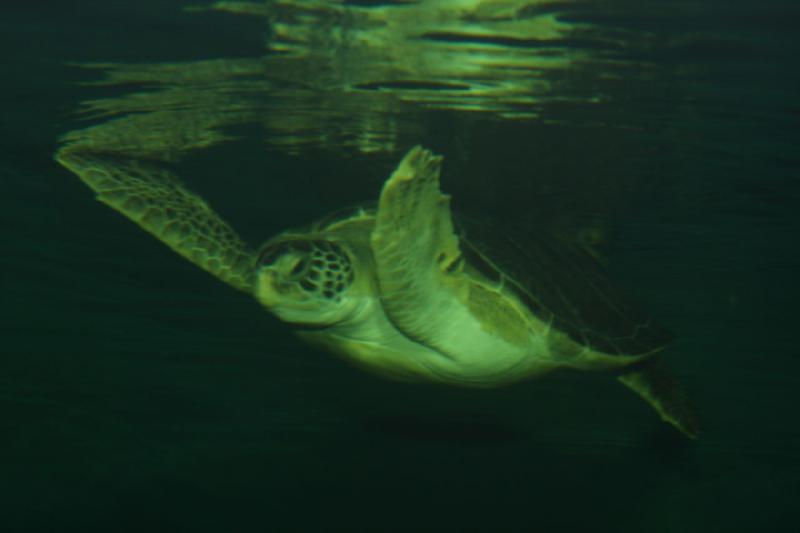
x,y
653,381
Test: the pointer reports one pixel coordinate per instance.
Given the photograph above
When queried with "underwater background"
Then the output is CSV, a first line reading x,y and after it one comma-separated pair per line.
x,y
139,393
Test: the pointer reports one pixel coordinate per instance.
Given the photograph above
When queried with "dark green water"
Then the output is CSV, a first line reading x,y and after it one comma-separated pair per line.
x,y
137,393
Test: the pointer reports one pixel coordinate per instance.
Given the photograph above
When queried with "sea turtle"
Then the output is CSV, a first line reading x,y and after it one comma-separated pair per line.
x,y
408,290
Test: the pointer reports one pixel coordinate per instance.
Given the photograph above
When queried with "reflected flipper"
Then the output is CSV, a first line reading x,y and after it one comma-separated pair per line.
x,y
154,198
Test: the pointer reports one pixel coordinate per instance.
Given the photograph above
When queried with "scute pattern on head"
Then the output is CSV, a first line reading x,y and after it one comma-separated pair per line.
x,y
330,269
320,266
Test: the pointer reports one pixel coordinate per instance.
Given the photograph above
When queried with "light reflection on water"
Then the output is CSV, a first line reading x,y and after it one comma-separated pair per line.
x,y
358,76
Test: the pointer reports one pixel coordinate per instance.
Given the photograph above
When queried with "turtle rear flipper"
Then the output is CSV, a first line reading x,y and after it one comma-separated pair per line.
x,y
154,198
654,382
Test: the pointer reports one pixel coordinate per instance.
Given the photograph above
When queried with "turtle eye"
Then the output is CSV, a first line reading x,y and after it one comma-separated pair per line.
x,y
299,267
308,286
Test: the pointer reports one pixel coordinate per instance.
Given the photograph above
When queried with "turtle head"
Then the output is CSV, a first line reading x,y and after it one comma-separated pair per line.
x,y
306,281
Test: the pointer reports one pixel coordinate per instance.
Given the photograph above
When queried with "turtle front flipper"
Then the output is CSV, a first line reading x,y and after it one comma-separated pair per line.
x,y
154,198
414,246
653,381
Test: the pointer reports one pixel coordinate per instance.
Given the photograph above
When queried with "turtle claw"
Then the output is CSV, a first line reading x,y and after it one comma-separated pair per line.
x,y
419,163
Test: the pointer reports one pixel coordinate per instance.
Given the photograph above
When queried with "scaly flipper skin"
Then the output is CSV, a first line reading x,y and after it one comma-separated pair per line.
x,y
414,243
155,199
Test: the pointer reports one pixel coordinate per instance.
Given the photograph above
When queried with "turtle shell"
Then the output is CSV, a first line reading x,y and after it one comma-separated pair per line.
x,y
561,284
